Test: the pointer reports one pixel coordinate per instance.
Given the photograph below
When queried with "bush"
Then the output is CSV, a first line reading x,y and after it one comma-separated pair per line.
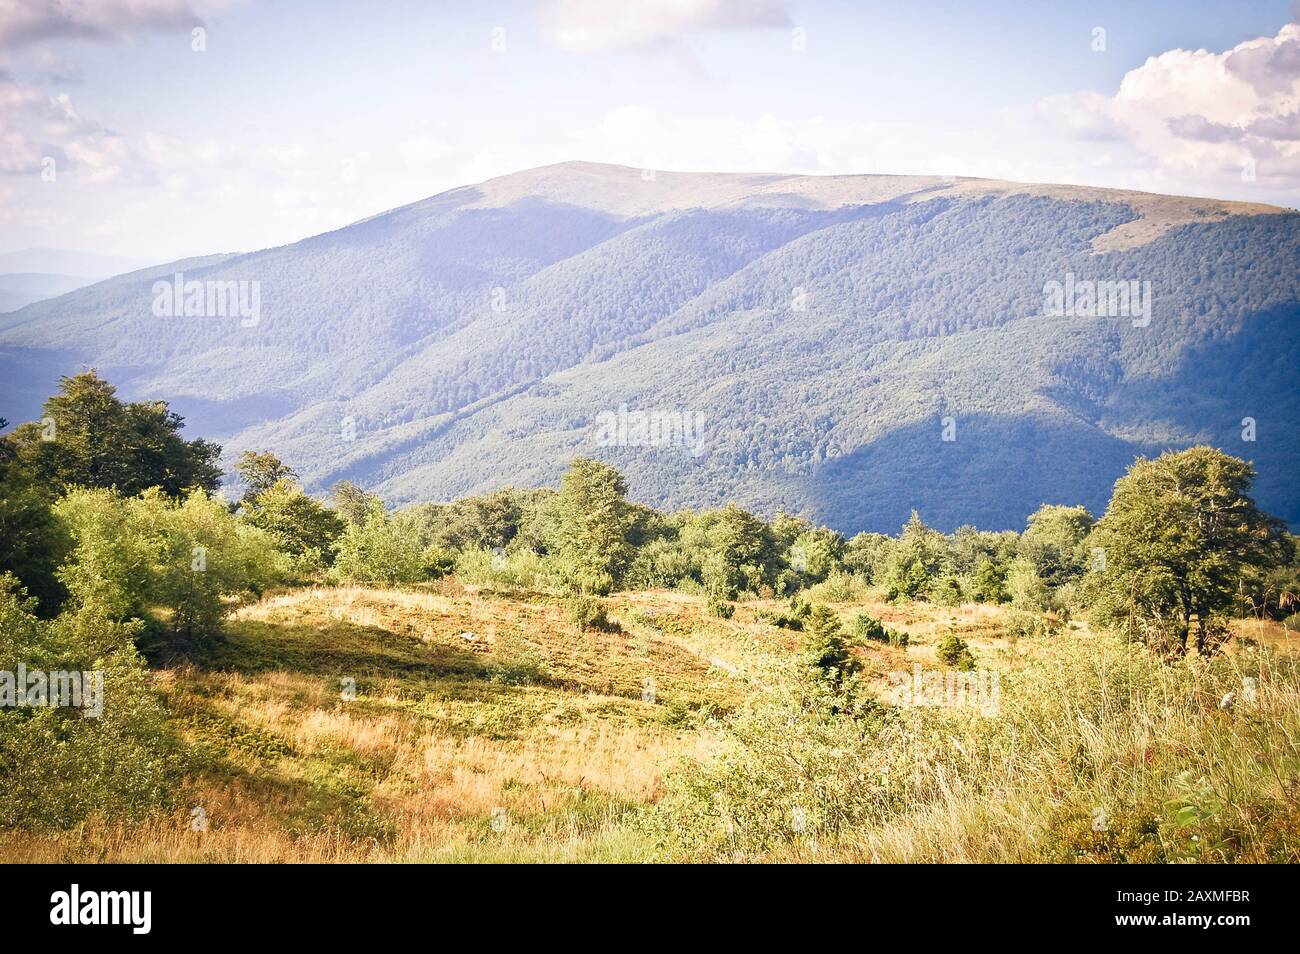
x,y
945,591
826,651
660,564
587,612
868,628
131,555
952,649
721,608
380,549
1024,623
792,618
839,587
63,764
438,561
898,637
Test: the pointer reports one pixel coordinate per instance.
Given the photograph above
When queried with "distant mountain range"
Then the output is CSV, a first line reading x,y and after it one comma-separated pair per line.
x,y
847,347
35,274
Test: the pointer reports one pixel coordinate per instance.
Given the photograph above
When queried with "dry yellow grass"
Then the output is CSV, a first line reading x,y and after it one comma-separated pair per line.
x,y
490,728
480,727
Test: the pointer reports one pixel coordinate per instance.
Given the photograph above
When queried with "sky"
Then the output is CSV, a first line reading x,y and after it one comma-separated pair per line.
x,y
160,129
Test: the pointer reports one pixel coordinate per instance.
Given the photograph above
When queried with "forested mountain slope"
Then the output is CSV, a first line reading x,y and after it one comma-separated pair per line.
x,y
827,332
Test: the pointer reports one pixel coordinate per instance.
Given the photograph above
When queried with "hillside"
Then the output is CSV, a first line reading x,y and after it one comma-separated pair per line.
x,y
485,727
822,328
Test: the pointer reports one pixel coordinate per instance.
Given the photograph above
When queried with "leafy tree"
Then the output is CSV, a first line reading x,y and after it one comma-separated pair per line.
x,y
787,529
205,557
32,541
1176,539
351,502
188,557
1055,540
818,552
593,521
742,552
112,555
866,554
380,549
260,472
87,437
119,761
1026,588
299,525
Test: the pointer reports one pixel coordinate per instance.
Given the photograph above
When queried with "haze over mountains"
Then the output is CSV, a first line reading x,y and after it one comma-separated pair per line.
x,y
35,274
828,332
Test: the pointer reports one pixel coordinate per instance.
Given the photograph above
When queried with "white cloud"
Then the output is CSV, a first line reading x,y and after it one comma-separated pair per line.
x,y
24,22
35,126
1201,118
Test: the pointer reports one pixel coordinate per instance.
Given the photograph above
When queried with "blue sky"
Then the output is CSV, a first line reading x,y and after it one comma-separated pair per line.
x,y
299,117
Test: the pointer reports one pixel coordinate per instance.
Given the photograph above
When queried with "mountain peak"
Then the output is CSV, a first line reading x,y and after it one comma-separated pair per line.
x,y
627,191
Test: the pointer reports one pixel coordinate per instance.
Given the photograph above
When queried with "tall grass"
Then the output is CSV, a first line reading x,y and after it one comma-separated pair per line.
x,y
1099,753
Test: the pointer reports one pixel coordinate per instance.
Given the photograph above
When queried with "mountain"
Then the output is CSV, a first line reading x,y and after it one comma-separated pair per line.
x,y
35,274
62,261
827,333
23,288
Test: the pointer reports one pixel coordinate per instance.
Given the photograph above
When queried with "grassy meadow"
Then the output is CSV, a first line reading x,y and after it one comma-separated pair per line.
x,y
486,726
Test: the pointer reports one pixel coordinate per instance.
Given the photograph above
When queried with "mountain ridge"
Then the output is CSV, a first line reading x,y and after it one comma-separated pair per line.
x,y
472,338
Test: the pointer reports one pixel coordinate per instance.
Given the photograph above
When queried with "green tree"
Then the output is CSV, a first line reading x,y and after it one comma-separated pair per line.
x,y
300,526
112,755
918,557
592,523
88,437
742,552
817,553
1055,541
260,472
990,584
1174,542
32,541
825,649
350,502
187,557
380,549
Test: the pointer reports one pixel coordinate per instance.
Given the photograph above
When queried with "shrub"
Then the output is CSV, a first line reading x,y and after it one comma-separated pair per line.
x,y
945,591
826,651
791,618
952,649
587,612
131,555
438,561
721,608
1024,623
839,587
62,764
380,549
868,628
662,563
898,637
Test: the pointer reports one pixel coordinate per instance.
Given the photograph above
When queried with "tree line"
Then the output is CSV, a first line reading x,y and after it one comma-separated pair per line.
x,y
104,504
